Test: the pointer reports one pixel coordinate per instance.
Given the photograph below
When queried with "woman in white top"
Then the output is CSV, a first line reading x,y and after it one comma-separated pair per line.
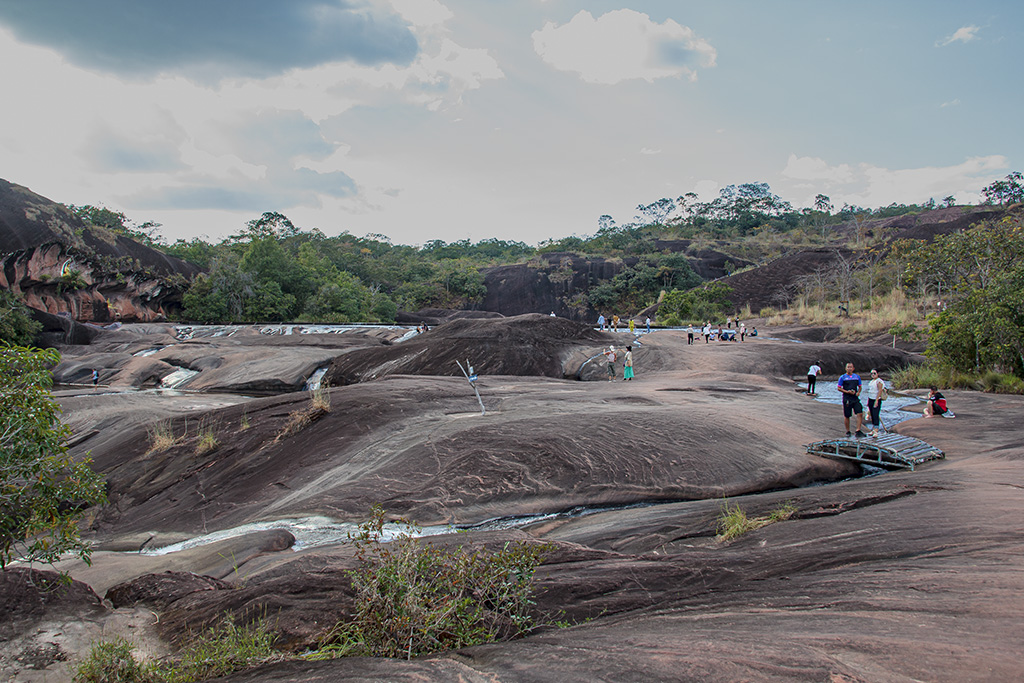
x,y
876,393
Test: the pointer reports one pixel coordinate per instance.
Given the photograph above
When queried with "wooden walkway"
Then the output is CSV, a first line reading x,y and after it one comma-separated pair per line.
x,y
891,451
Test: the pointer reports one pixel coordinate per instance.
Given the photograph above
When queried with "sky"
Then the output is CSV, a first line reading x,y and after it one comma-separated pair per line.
x,y
513,119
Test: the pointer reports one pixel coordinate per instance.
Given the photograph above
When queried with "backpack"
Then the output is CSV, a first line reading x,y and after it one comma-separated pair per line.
x,y
882,393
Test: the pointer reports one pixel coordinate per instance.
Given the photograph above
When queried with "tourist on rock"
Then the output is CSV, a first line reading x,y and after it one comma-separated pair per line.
x,y
689,334
601,322
648,324
720,337
707,331
812,376
615,323
937,404
876,393
95,377
627,370
849,386
743,331
609,357
632,327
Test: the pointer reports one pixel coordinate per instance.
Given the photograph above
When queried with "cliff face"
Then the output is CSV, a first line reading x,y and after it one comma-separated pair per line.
x,y
64,267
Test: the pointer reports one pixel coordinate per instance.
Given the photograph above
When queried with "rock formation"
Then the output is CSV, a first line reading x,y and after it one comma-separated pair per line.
x,y
89,274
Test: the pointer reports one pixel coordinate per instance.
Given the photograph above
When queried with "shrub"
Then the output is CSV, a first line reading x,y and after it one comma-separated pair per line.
x,y
221,650
114,662
414,597
217,652
43,489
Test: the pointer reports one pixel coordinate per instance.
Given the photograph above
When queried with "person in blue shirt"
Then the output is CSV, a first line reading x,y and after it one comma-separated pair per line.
x,y
849,386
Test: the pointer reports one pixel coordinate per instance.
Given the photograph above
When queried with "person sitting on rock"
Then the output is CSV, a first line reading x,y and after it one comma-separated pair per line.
x,y
936,404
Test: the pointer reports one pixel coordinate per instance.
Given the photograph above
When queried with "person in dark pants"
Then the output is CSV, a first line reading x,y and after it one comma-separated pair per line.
x,y
812,376
849,386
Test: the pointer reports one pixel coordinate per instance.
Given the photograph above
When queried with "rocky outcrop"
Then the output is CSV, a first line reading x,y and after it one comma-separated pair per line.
x,y
557,282
64,267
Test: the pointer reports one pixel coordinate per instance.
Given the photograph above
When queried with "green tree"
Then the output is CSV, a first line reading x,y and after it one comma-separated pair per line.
x,y
1007,191
698,304
16,325
42,489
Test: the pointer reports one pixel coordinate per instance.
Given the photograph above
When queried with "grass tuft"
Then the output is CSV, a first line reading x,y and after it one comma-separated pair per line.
x,y
734,522
161,437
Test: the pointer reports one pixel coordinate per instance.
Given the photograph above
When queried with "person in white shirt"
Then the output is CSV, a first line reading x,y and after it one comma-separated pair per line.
x,y
876,393
812,376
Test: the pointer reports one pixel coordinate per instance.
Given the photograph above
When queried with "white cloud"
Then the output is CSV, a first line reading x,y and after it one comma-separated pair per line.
x,y
649,151
812,168
874,186
622,45
951,103
964,34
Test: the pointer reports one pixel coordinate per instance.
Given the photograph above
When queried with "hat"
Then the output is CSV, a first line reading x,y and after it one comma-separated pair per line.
x,y
611,348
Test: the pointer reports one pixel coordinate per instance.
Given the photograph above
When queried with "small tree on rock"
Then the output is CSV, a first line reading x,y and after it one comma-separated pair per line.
x,y
42,489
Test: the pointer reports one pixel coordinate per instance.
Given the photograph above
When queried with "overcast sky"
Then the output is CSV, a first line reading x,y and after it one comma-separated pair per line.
x,y
517,119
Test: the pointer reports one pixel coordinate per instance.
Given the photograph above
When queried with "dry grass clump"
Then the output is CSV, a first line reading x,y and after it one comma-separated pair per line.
x,y
207,439
734,522
319,405
161,437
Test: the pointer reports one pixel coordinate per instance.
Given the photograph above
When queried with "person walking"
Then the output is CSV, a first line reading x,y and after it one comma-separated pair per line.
x,y
95,377
615,323
812,376
876,394
849,386
627,370
609,357
600,321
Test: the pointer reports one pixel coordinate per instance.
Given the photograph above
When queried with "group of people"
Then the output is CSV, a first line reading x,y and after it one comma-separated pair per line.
x,y
709,332
610,358
850,385
612,323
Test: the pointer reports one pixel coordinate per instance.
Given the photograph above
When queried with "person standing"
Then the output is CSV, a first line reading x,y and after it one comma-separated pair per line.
x,y
849,386
609,357
95,377
812,376
600,321
743,331
632,327
615,323
876,394
689,334
627,370
707,331
648,321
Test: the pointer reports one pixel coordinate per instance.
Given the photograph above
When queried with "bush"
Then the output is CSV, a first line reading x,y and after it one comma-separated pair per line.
x,y
414,597
217,652
42,488
114,662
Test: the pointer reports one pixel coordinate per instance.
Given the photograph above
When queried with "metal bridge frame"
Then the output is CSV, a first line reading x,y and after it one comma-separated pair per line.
x,y
888,451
